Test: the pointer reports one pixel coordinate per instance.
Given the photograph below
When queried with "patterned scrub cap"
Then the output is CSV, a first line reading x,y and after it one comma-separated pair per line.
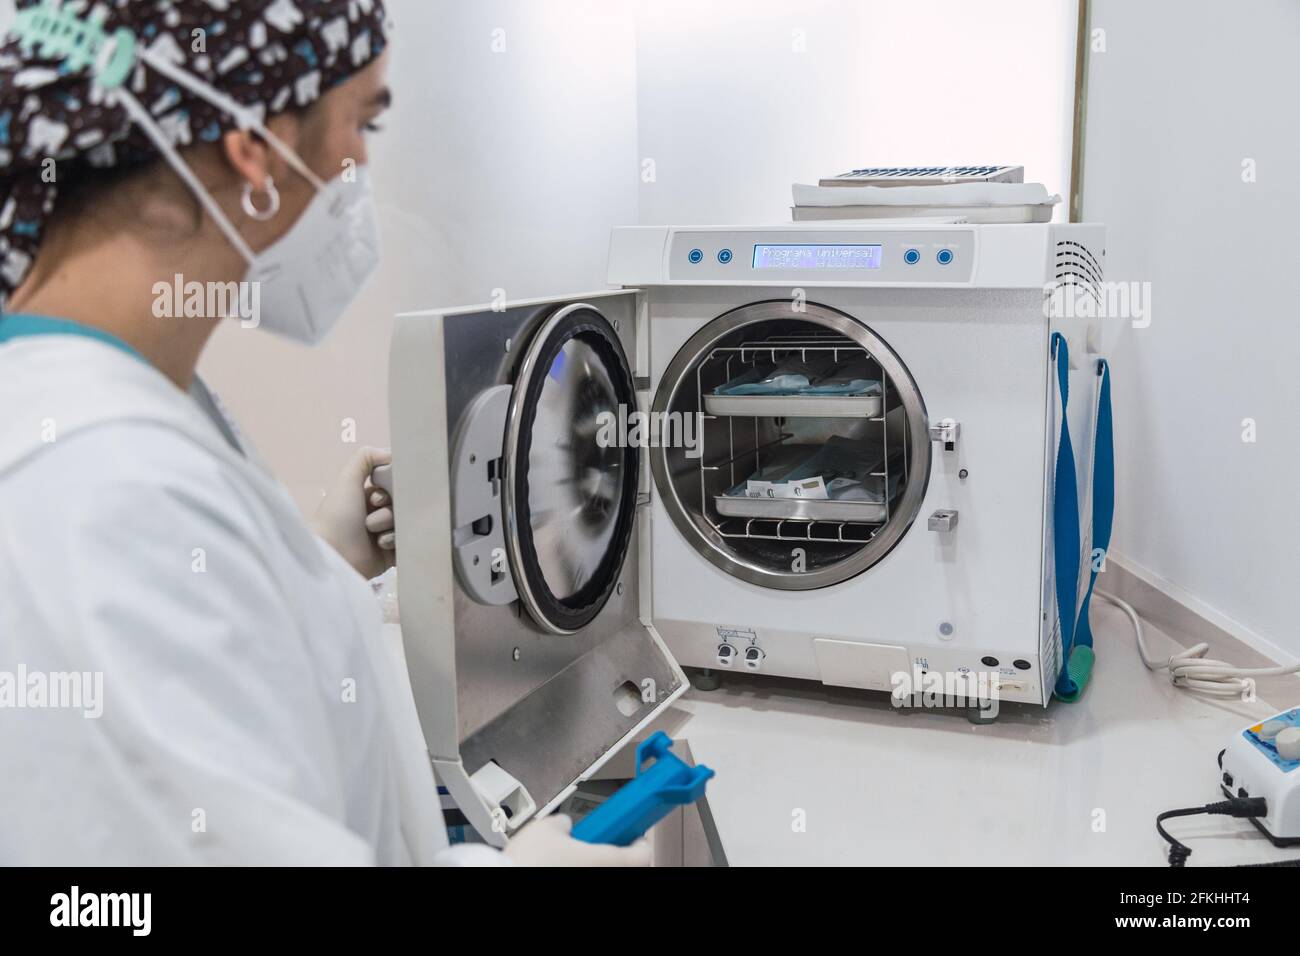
x,y
271,56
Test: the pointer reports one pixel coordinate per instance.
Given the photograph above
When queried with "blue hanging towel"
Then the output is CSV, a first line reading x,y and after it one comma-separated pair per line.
x,y
1077,656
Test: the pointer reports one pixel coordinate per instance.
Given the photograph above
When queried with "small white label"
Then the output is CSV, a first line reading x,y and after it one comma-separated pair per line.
x,y
737,635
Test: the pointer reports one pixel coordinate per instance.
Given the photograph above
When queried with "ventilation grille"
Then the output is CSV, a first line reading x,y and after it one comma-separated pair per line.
x,y
1049,658
1077,265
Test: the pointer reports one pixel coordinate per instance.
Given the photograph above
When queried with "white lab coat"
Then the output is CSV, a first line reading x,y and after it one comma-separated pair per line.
x,y
251,710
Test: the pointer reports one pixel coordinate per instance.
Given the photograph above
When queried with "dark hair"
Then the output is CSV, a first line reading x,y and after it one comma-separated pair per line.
x,y
82,185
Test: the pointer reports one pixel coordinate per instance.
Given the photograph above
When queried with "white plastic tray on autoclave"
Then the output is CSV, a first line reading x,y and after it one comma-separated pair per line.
x,y
800,509
793,406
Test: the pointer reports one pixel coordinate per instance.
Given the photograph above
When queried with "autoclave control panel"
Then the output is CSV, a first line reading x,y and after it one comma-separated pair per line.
x,y
834,256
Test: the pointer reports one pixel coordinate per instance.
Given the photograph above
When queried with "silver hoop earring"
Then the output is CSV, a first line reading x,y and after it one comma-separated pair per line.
x,y
273,201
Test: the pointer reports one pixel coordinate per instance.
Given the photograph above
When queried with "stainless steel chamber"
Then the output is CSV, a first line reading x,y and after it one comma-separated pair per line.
x,y
742,436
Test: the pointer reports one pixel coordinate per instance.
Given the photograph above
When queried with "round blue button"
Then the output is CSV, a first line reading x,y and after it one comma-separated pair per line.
x,y
912,257
696,255
724,256
944,256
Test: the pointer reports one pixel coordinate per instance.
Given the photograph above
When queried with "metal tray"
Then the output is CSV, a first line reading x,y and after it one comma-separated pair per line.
x,y
794,406
800,509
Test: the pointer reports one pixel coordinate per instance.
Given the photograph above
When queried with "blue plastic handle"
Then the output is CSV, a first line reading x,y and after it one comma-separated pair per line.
x,y
645,799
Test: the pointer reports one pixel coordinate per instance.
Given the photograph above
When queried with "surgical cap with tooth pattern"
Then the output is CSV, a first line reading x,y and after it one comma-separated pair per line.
x,y
271,56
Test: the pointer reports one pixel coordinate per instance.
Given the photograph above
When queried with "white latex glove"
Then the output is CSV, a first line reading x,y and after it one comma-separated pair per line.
x,y
356,518
546,842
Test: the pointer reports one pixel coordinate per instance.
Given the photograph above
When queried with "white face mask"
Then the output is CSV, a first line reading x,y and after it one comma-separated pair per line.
x,y
310,275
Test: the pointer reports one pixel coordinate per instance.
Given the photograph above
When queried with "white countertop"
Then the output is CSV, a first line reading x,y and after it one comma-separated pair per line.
x,y
1072,784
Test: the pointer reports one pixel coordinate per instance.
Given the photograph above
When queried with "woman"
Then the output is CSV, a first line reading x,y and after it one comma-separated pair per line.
x,y
203,678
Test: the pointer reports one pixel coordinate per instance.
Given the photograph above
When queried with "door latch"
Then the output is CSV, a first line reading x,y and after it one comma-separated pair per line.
x,y
947,431
942,520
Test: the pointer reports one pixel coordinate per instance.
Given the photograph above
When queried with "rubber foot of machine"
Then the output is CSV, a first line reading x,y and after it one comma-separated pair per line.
x,y
980,715
705,679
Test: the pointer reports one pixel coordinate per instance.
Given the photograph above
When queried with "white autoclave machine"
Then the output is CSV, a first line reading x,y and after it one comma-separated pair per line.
x,y
552,582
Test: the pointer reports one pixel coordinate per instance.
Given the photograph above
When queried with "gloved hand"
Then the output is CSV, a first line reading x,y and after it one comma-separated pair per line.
x,y
356,518
546,842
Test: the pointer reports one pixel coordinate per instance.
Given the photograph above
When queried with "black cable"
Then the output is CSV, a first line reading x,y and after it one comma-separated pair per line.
x,y
1234,807
1178,852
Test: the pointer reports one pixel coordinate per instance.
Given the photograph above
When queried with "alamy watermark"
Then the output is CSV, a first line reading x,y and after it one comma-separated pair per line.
x,y
1099,300
22,689
179,299
980,690
133,911
637,429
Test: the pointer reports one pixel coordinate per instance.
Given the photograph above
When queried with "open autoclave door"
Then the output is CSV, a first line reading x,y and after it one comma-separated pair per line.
x,y
519,516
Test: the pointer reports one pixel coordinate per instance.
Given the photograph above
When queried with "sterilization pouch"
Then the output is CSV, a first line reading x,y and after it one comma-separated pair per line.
x,y
800,377
840,470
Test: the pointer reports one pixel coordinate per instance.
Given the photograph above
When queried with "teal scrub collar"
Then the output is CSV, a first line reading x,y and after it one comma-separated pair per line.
x,y
17,326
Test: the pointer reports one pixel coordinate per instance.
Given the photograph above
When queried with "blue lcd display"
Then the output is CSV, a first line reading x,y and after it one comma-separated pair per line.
x,y
817,256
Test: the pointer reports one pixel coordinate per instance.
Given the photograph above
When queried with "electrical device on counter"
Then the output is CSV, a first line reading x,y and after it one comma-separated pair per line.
x,y
933,553
1264,761
554,577
1259,771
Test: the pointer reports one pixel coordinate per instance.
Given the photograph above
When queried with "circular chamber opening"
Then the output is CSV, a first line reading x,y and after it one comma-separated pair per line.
x,y
811,451
570,498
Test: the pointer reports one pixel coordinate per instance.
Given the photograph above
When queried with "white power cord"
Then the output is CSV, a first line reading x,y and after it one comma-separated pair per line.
x,y
1192,670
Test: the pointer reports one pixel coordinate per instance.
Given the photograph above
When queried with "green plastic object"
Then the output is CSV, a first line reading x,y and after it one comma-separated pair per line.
x,y
1080,670
58,34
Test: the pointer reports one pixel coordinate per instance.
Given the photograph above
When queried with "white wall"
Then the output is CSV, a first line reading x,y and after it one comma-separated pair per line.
x,y
1184,93
737,99
495,170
